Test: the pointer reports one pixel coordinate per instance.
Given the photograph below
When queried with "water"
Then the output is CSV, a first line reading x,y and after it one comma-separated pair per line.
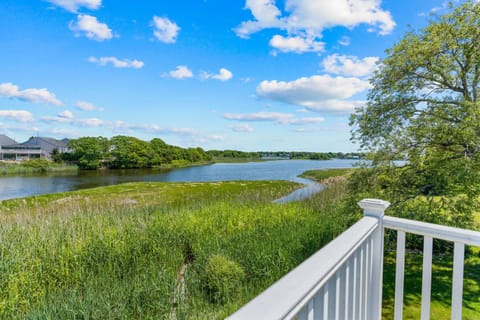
x,y
23,186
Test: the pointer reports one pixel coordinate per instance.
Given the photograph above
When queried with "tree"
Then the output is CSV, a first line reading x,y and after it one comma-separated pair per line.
x,y
424,106
87,152
130,152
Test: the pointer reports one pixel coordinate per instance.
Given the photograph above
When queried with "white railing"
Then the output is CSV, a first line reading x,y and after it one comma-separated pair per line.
x,y
344,279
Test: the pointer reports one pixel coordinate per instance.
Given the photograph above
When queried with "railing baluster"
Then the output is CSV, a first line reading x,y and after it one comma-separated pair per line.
x,y
426,277
361,305
366,279
399,275
310,310
326,298
340,299
357,288
318,304
457,285
350,298
331,298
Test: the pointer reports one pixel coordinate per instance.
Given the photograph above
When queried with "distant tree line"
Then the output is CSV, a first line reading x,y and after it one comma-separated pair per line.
x,y
311,155
234,154
123,152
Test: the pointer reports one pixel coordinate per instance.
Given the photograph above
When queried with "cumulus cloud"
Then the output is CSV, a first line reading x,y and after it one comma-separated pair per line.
x,y
68,118
278,117
87,106
181,72
74,5
320,93
17,115
241,128
165,30
307,19
266,15
222,75
350,65
91,28
296,44
188,133
34,95
117,63
66,114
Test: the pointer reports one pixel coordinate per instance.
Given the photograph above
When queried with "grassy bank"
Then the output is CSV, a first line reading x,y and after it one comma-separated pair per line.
x,y
34,167
319,175
155,250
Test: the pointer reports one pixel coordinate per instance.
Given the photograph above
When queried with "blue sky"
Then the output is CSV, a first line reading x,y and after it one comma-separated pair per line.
x,y
248,75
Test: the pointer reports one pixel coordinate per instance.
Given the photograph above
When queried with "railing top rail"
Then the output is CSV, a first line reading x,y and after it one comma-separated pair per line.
x,y
285,297
468,237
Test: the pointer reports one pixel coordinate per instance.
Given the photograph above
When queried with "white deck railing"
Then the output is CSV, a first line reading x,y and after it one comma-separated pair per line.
x,y
344,279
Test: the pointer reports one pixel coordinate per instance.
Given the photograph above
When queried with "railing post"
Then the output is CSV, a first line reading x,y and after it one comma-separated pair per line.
x,y
375,208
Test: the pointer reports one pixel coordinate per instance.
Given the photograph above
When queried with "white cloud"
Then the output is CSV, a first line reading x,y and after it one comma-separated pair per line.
x,y
187,133
66,114
266,15
296,44
42,95
67,118
165,30
74,5
91,28
87,106
241,128
281,118
181,72
117,63
17,115
307,19
222,75
91,122
350,65
319,93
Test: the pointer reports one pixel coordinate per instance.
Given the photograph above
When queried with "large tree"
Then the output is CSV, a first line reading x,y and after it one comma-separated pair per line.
x,y
424,106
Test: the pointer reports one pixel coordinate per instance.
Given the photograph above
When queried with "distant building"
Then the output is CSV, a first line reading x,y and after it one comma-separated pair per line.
x,y
33,148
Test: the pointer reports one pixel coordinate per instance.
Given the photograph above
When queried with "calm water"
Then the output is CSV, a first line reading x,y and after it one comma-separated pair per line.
x,y
16,187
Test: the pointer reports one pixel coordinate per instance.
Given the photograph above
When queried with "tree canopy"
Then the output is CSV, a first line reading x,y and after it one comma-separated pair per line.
x,y
424,106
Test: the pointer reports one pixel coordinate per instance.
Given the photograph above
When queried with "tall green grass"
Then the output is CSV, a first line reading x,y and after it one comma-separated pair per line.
x,y
35,167
123,251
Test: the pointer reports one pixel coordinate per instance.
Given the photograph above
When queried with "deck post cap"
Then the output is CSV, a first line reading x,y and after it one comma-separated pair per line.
x,y
374,207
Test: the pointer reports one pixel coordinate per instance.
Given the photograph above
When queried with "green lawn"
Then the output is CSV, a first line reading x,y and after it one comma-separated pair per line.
x,y
441,287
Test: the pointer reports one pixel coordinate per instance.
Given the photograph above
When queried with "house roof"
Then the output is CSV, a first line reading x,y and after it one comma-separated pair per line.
x,y
46,144
4,140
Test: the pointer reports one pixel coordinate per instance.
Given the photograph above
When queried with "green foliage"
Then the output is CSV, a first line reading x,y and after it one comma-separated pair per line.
x,y
129,152
222,278
424,107
123,152
88,152
116,251
35,166
320,175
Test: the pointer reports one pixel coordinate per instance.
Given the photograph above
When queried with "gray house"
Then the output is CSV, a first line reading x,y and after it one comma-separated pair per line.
x,y
33,148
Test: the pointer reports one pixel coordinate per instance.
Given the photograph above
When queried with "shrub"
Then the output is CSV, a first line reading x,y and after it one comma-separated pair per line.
x,y
222,278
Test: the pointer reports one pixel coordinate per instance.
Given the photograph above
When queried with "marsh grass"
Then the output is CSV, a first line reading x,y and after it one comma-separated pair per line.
x,y
38,166
322,174
116,251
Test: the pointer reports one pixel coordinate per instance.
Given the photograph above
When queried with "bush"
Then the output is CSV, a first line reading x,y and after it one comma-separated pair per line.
x,y
222,278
